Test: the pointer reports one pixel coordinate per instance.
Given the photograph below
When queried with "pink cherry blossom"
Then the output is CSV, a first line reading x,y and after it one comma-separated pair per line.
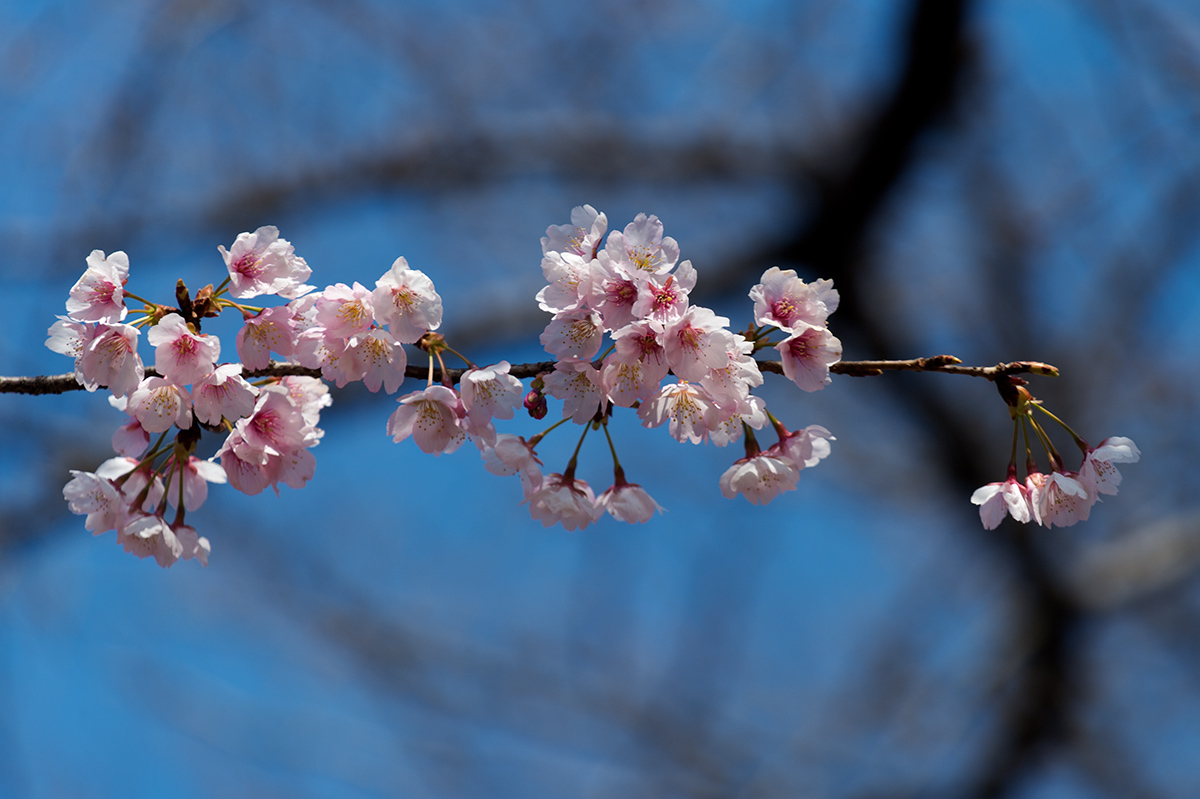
x,y
89,494
223,393
345,312
273,329
111,359
642,341
195,475
728,418
784,300
275,428
139,483
1098,470
689,408
158,404
490,392
1059,499
569,279
733,380
194,546
578,385
666,300
760,478
627,383
996,500
375,358
627,502
130,439
582,237
310,395
563,500
249,474
150,536
807,355
806,448
404,299
641,250
695,342
262,263
71,338
430,417
574,334
611,295
180,355
99,294
513,455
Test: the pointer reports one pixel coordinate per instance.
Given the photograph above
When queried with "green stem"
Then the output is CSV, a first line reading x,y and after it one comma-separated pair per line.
x,y
533,442
569,473
618,472
1078,441
470,364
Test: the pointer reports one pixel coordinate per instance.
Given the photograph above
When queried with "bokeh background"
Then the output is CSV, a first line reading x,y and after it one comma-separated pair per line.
x,y
1001,180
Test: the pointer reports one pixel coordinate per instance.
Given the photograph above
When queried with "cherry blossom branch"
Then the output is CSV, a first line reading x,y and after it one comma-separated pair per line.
x,y
948,364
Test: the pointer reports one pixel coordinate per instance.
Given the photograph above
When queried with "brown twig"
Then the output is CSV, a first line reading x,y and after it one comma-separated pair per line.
x,y
61,384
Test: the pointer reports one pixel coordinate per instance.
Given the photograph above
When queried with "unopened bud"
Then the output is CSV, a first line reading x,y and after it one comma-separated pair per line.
x,y
535,403
1039,368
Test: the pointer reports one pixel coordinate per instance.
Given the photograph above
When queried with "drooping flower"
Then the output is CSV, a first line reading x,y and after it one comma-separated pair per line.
x,y
511,454
563,500
430,417
146,536
192,544
627,502
996,500
88,494
1098,470
1059,498
195,475
760,477
806,448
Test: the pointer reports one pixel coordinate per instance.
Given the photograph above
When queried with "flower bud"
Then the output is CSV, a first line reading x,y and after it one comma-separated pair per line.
x,y
535,403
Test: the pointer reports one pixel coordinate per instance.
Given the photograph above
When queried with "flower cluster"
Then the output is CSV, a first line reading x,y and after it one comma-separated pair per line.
x,y
623,331
632,288
269,426
1060,498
